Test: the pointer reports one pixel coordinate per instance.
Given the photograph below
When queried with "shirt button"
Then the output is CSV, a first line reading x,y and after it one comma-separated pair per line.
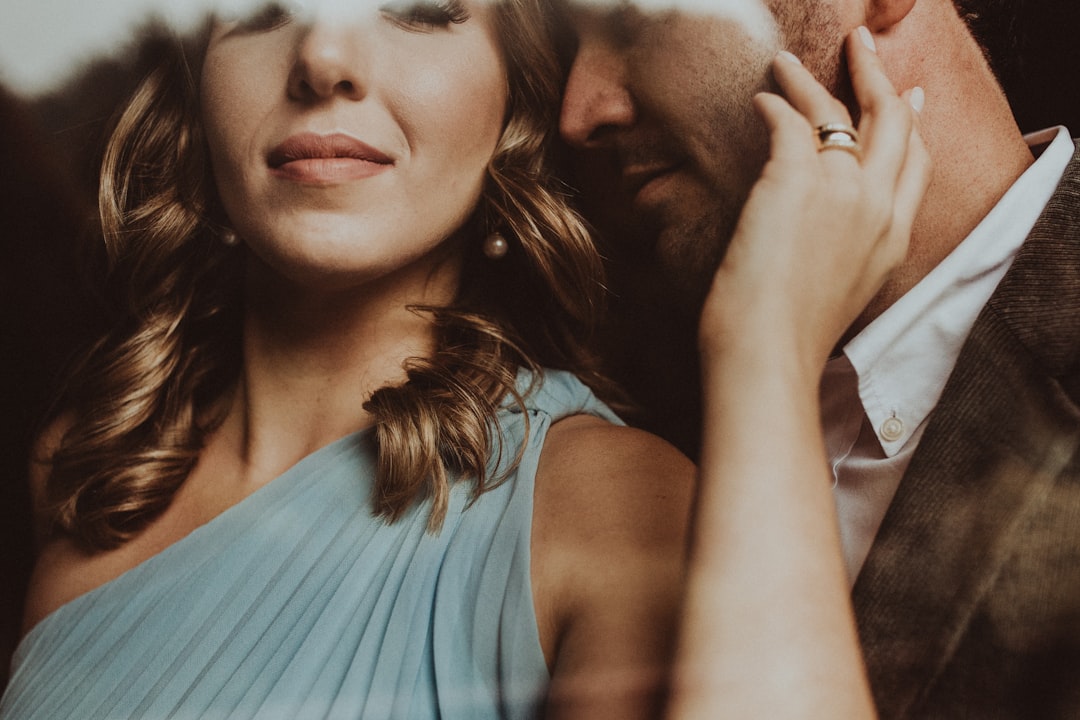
x,y
892,429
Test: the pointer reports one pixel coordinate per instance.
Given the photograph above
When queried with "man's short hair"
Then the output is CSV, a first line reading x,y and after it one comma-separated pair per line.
x,y
996,27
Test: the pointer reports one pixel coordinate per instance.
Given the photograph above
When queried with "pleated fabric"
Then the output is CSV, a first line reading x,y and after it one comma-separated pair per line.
x,y
297,603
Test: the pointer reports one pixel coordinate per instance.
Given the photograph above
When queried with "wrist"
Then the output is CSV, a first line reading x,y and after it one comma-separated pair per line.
x,y
761,356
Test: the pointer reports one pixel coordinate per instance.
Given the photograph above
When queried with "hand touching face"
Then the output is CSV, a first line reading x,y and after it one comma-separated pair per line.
x,y
659,104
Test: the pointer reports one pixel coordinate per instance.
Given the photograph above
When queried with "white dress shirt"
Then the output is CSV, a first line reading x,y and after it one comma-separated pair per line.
x,y
876,396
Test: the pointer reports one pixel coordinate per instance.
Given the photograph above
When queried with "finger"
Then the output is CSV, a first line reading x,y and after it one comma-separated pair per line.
x,y
820,108
911,186
914,177
868,77
806,94
885,123
788,129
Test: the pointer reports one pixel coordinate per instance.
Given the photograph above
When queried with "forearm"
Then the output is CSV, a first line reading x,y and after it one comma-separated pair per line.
x,y
771,631
768,629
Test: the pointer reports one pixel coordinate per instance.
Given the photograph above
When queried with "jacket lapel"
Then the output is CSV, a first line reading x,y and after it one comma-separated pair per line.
x,y
1006,426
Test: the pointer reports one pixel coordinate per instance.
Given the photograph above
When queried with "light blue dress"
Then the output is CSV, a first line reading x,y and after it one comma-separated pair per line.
x,y
298,603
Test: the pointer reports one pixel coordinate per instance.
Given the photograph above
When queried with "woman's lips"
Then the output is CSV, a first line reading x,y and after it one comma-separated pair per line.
x,y
326,159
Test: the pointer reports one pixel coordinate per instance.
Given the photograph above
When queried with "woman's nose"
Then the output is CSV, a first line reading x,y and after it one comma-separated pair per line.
x,y
330,61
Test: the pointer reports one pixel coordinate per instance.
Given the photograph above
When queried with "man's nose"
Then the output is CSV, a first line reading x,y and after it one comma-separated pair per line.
x,y
597,101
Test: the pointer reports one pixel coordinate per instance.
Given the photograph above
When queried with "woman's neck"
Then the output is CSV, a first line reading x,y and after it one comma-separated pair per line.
x,y
312,357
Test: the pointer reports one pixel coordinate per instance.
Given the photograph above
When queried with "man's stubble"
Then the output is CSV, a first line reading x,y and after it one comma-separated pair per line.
x,y
691,250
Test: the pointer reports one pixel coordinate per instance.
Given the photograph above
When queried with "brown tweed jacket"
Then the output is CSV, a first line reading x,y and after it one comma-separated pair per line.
x,y
969,603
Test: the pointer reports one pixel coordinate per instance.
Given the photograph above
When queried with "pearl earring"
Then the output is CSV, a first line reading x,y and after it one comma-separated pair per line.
x,y
229,238
495,246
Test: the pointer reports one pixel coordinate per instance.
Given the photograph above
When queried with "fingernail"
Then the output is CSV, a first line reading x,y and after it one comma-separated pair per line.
x,y
790,57
867,38
918,98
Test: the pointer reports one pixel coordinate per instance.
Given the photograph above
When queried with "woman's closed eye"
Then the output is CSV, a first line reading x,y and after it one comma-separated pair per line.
x,y
426,15
268,17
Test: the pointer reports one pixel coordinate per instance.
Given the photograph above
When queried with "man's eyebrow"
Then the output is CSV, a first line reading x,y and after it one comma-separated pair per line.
x,y
600,8
626,18
619,20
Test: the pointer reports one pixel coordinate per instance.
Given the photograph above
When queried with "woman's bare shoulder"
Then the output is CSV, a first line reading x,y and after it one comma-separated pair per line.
x,y
604,478
609,551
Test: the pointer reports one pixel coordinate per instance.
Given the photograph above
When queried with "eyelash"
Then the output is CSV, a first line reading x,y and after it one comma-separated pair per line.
x,y
421,15
270,17
427,14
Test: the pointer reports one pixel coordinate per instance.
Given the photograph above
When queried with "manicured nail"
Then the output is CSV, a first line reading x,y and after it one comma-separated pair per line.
x,y
790,57
918,98
867,38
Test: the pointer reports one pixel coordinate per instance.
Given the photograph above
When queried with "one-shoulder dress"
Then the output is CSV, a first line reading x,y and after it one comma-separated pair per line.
x,y
299,603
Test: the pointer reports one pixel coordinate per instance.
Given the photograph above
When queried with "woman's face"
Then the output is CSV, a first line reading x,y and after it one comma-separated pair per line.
x,y
347,144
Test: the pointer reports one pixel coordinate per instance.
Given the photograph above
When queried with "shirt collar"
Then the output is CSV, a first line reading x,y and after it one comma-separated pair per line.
x,y
905,356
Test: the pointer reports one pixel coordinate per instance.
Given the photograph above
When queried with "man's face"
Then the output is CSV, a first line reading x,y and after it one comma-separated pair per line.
x,y
658,106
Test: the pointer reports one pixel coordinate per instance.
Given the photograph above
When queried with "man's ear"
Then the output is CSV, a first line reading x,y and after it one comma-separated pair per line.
x,y
883,14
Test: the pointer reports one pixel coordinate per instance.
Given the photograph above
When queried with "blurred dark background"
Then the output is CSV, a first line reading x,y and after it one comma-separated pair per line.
x,y
49,258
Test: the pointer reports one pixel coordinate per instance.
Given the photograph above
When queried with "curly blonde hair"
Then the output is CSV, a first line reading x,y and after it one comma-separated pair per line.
x,y
145,397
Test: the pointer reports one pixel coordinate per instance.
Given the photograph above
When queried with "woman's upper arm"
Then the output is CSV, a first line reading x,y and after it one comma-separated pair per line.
x,y
609,554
